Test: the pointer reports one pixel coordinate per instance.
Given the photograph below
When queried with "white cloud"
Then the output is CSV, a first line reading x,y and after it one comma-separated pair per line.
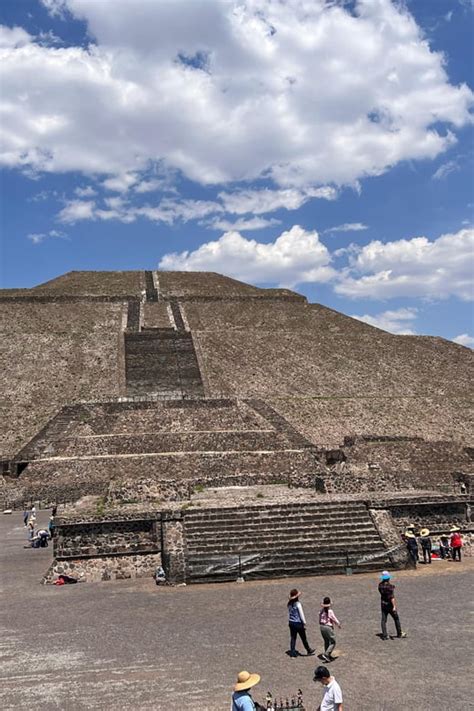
x,y
464,339
252,223
88,191
76,210
120,183
397,321
38,237
13,37
295,256
446,169
416,267
348,227
301,93
258,202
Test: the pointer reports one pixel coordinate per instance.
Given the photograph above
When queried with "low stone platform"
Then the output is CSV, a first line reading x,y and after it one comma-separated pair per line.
x,y
131,644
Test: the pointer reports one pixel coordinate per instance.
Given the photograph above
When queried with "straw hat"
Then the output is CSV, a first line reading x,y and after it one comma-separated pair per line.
x,y
409,534
245,680
294,594
425,532
454,528
411,525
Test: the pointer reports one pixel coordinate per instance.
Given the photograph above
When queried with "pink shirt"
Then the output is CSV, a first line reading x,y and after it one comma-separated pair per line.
x,y
327,617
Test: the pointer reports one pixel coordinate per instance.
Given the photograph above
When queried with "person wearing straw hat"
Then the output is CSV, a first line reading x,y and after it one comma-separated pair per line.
x,y
241,699
425,541
412,546
456,542
389,604
297,624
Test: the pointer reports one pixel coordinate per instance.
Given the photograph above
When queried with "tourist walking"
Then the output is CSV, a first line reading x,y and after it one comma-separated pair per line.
x,y
425,541
297,623
456,543
327,620
25,518
412,547
241,698
388,604
332,696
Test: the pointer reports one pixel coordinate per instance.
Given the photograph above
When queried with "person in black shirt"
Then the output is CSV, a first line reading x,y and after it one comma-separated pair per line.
x,y
389,605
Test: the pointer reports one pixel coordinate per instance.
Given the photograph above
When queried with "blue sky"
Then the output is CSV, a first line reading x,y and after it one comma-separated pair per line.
x,y
325,146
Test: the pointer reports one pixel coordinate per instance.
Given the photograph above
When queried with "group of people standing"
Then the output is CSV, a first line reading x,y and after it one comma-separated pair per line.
x,y
449,546
332,694
37,538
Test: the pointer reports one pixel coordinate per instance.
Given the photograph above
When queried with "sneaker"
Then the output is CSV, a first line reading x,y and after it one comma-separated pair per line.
x,y
311,652
293,654
325,658
384,636
402,635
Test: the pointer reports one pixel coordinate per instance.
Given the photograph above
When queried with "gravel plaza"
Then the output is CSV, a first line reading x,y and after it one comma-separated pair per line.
x,y
133,645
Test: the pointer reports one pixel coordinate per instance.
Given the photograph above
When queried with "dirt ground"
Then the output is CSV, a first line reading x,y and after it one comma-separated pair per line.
x,y
131,645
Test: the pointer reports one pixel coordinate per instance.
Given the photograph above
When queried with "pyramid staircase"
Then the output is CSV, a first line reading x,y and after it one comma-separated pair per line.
x,y
281,540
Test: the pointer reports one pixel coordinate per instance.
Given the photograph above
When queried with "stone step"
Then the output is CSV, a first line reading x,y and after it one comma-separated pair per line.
x,y
293,519
281,526
312,545
206,574
270,508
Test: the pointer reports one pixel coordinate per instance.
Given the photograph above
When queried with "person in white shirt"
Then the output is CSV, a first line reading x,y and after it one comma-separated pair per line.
x,y
332,697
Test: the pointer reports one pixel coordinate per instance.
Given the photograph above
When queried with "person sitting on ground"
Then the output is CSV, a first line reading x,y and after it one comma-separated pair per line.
x,y
241,698
456,542
388,604
297,624
425,541
43,537
327,620
444,548
332,698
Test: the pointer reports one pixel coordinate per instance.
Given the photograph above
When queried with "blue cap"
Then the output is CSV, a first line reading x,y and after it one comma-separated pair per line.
x,y
385,575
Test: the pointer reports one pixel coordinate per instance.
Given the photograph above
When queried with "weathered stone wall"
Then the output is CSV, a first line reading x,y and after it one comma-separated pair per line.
x,y
435,516
326,421
53,354
299,363
94,547
93,570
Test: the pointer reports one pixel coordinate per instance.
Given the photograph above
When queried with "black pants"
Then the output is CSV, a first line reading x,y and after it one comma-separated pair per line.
x,y
426,555
457,552
388,610
297,628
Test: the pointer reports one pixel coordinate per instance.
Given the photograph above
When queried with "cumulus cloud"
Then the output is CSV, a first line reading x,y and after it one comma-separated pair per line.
x,y
415,267
348,227
397,321
301,93
295,256
464,339
76,210
13,37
